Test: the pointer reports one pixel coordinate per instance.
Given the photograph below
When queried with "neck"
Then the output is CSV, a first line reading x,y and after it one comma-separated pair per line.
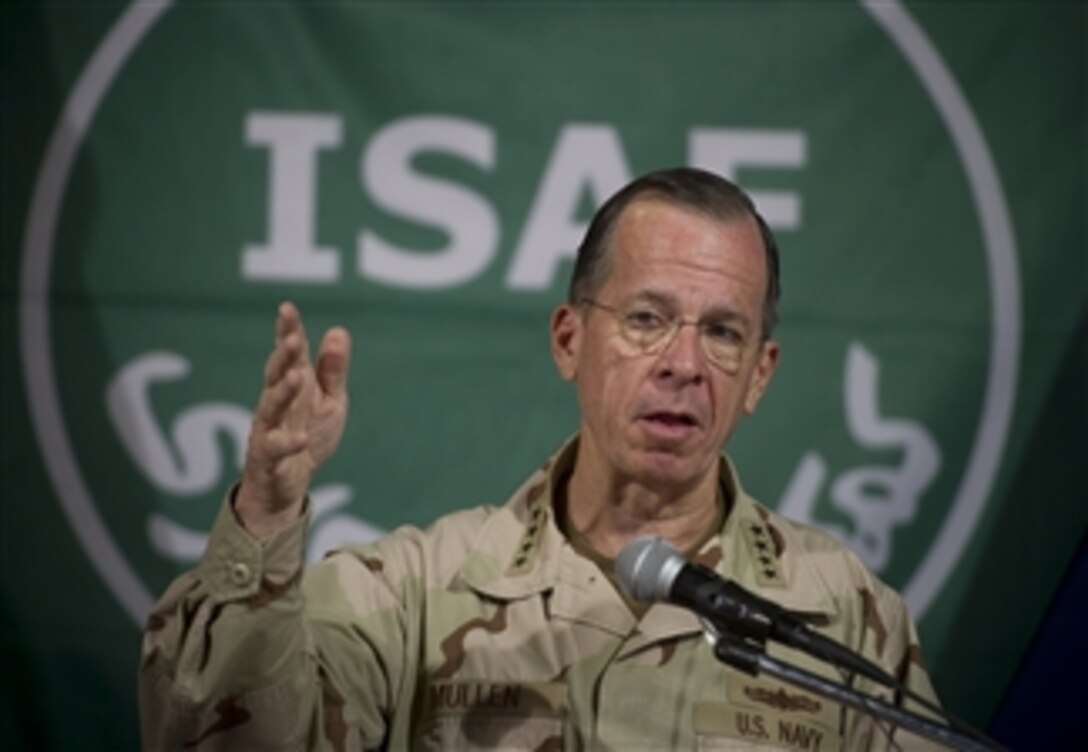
x,y
611,511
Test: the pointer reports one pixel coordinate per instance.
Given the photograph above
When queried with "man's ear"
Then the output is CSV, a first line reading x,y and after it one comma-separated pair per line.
x,y
566,340
761,377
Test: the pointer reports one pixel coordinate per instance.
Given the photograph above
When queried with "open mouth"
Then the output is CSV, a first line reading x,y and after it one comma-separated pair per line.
x,y
671,420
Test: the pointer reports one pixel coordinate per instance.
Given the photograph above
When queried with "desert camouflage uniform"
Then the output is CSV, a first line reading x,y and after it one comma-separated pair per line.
x,y
489,631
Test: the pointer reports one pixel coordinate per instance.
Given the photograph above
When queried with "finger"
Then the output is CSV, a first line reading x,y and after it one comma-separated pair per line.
x,y
301,329
288,322
279,445
277,400
286,355
333,361
288,319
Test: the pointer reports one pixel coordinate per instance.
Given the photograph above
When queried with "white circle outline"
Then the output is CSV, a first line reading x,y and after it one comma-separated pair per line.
x,y
137,20
1005,308
38,371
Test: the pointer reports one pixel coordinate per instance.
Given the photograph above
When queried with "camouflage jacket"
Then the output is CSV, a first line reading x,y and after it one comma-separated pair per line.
x,y
489,631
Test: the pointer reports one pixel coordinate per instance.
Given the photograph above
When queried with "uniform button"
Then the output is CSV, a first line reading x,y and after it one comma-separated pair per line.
x,y
240,573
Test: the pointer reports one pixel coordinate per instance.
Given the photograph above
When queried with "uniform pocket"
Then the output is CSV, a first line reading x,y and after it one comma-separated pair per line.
x,y
761,714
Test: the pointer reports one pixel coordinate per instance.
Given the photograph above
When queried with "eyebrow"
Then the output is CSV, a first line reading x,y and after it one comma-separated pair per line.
x,y
667,300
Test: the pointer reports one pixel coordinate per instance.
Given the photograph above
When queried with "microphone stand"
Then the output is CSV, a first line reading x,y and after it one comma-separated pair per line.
x,y
752,659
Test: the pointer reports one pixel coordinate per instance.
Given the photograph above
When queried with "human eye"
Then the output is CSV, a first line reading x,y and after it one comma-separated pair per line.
x,y
722,332
645,319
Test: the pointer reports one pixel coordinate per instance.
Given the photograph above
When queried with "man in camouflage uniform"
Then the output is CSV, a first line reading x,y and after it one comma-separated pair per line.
x,y
502,628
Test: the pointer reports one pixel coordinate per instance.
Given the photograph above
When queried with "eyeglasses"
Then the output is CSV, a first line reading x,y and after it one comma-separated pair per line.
x,y
650,329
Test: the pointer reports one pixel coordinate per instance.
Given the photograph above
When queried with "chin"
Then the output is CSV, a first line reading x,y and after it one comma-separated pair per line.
x,y
658,469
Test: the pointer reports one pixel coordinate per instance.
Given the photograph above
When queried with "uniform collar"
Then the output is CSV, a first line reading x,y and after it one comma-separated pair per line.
x,y
758,550
520,552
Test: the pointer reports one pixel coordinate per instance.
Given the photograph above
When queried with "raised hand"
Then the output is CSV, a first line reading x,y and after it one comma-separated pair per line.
x,y
297,426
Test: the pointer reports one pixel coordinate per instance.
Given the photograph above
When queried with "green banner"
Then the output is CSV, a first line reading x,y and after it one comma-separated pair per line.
x,y
422,173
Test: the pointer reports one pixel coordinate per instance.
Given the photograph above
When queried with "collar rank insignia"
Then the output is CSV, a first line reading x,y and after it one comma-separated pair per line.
x,y
762,554
530,539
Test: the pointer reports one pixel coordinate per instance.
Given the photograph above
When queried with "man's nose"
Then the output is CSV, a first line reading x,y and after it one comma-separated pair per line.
x,y
683,357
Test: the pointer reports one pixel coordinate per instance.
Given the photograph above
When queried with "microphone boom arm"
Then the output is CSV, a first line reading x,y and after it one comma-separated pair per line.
x,y
751,658
741,622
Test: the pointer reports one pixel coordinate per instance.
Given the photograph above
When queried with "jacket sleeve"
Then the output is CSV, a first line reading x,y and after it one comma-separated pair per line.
x,y
891,642
232,659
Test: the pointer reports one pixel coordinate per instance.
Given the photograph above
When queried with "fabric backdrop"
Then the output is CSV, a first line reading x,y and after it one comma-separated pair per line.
x,y
421,173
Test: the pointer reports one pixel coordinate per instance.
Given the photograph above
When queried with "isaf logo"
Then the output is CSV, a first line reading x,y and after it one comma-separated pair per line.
x,y
424,199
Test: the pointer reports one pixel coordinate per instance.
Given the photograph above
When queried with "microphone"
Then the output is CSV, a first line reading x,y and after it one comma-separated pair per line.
x,y
650,569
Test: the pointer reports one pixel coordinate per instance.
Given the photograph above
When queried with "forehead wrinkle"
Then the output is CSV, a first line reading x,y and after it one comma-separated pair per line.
x,y
666,250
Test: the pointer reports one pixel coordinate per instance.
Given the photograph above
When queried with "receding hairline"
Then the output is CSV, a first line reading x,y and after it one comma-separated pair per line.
x,y
698,192
718,214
